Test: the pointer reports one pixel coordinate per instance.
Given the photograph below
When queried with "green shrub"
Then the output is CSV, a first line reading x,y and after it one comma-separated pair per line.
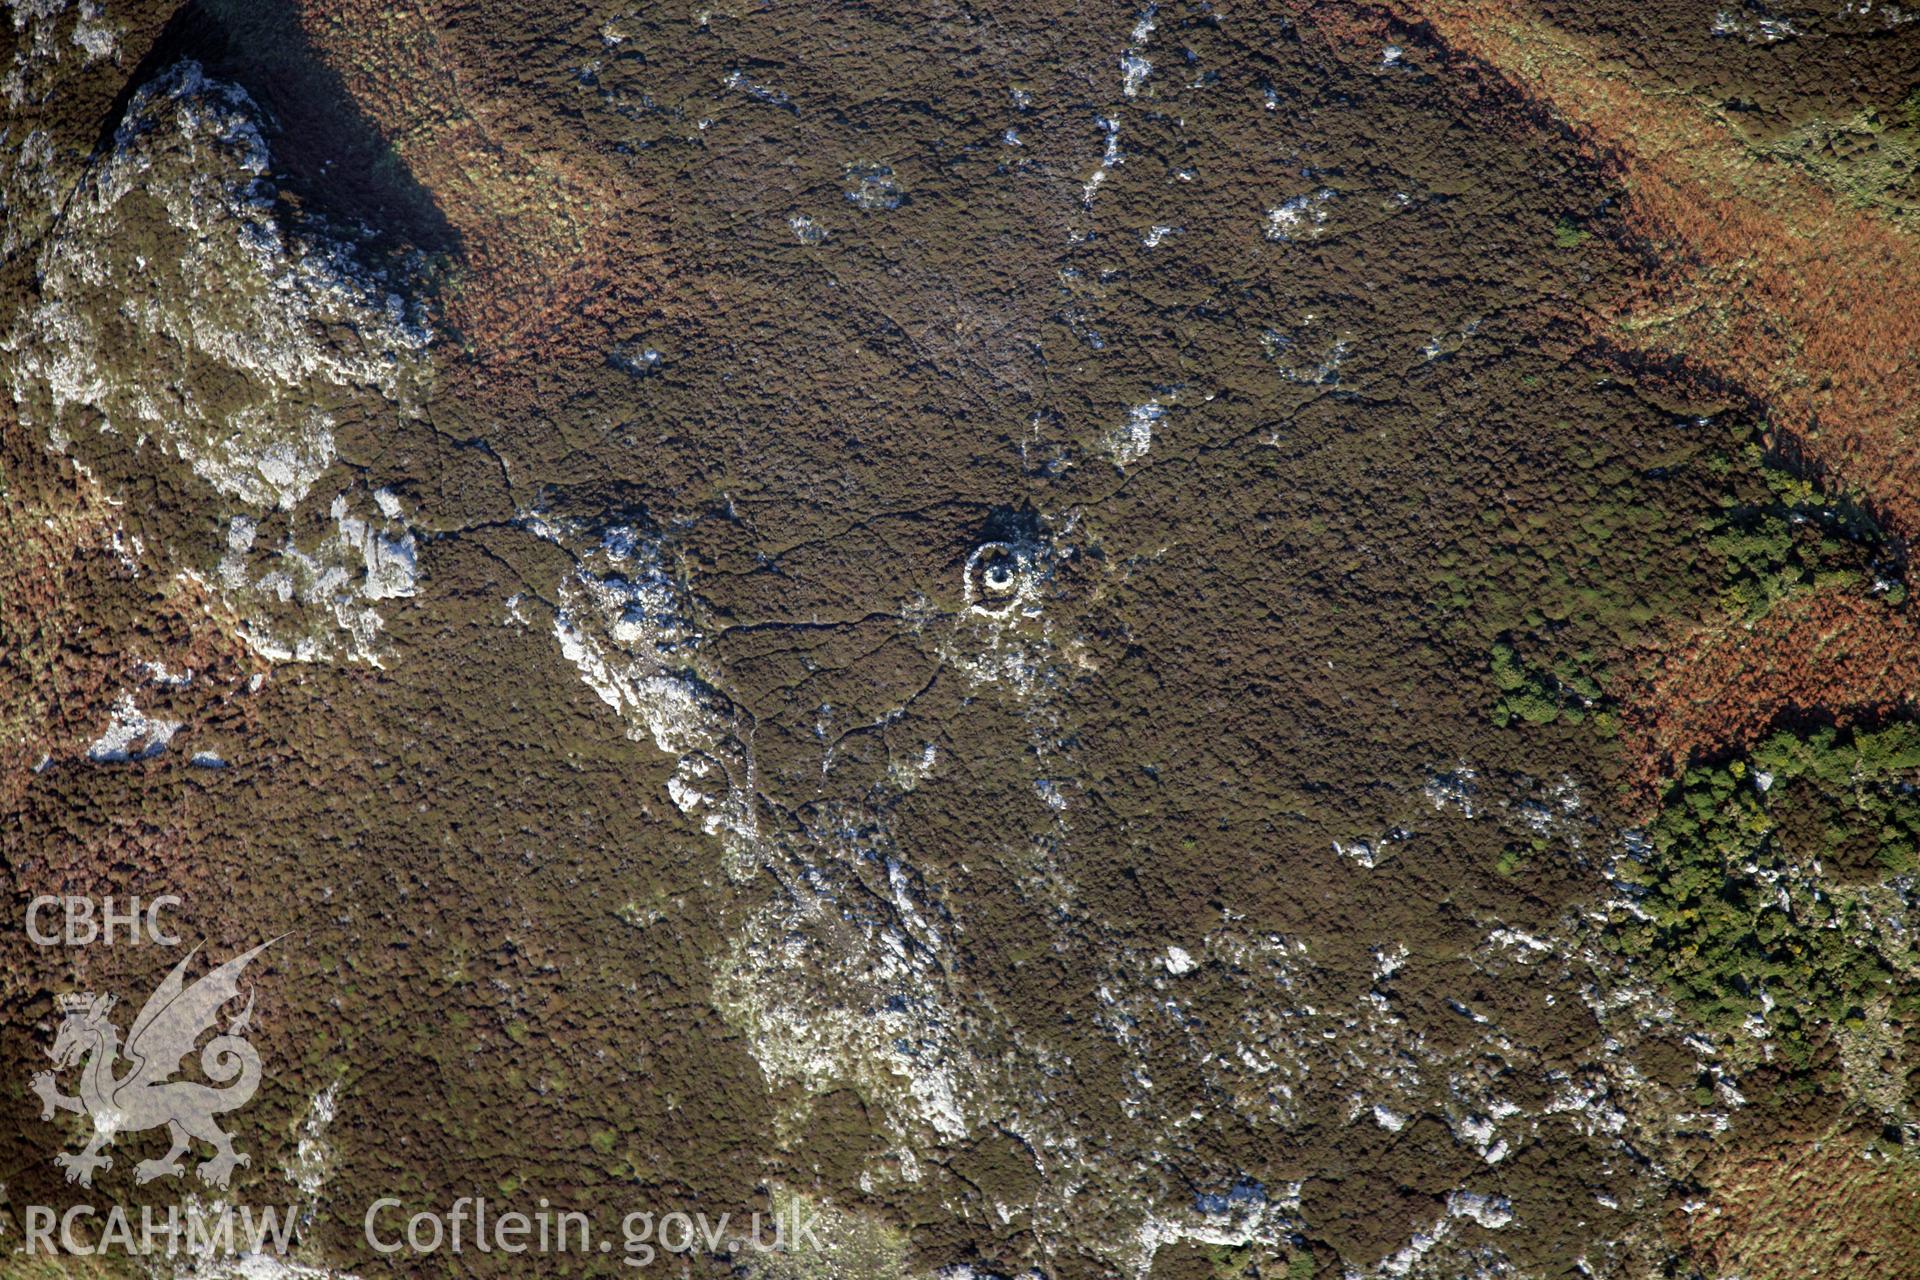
x,y
1732,912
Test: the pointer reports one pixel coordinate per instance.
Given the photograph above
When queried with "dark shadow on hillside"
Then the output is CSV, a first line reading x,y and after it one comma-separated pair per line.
x,y
328,156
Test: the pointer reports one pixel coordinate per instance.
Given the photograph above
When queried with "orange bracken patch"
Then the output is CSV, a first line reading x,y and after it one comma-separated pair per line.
x,y
1839,656
1806,1207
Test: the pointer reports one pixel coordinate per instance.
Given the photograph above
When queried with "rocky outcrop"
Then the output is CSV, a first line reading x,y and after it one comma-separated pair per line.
x,y
189,325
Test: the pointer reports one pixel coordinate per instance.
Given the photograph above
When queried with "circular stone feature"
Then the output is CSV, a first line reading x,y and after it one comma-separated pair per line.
x,y
996,577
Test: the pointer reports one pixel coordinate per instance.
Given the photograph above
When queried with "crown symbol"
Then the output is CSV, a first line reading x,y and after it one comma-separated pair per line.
x,y
74,1002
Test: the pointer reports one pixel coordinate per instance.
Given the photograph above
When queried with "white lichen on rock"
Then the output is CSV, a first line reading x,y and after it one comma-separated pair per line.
x,y
825,1004
313,602
626,624
131,734
1300,218
52,42
1130,441
1134,65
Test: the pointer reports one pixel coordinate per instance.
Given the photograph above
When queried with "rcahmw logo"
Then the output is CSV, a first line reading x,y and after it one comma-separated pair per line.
x,y
139,1093
156,1232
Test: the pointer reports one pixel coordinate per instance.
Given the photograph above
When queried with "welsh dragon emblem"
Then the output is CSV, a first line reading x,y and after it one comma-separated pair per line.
x,y
142,1096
